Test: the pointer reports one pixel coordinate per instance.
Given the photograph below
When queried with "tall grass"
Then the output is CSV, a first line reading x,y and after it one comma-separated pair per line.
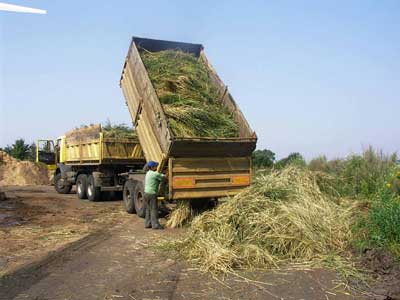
x,y
380,227
358,175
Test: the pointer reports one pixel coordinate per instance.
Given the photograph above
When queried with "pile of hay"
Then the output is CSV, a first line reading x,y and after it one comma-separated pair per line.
x,y
16,172
118,131
181,215
189,98
282,217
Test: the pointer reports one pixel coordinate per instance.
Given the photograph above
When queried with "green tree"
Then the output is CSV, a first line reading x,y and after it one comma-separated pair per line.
x,y
19,149
32,152
263,158
294,158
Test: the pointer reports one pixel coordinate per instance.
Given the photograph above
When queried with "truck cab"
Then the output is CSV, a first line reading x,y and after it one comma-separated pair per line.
x,y
50,152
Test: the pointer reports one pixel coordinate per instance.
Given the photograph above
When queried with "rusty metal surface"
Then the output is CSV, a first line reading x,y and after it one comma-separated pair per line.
x,y
212,147
208,177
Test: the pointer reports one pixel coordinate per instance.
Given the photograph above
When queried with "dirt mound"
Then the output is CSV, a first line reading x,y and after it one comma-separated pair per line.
x,y
385,271
16,172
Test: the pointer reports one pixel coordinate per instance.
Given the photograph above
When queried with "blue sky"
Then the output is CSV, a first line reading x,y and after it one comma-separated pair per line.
x,y
316,77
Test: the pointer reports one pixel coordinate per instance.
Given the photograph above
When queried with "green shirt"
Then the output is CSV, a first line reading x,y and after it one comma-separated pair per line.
x,y
152,181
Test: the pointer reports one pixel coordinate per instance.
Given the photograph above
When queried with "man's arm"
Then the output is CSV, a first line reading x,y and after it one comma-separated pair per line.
x,y
160,176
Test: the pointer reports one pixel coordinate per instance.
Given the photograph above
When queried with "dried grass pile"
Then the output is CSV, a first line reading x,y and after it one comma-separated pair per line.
x,y
181,215
282,217
118,131
188,96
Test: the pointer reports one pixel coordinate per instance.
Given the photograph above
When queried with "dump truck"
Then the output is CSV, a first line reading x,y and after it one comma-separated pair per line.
x,y
87,158
198,167
202,168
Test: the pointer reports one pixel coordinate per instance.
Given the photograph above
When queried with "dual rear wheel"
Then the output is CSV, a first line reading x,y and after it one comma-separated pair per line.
x,y
86,189
60,185
133,196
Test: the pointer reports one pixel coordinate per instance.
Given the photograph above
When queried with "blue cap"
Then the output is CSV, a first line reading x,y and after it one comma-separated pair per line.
x,y
152,164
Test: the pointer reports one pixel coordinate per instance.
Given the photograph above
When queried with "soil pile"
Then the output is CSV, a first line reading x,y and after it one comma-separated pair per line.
x,y
16,172
385,272
189,98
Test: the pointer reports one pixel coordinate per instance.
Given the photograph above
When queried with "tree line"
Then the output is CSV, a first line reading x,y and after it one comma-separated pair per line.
x,y
21,150
264,159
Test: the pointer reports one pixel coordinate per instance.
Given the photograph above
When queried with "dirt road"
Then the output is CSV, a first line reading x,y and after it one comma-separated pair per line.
x,y
58,247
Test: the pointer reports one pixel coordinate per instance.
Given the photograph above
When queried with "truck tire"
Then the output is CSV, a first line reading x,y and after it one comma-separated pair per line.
x,y
139,199
93,193
128,196
81,186
61,187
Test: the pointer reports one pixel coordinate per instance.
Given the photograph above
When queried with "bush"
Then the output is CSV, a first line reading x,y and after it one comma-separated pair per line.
x,y
21,150
357,175
293,159
381,226
263,158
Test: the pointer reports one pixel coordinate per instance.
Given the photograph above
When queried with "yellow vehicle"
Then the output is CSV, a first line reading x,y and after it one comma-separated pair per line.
x,y
201,168
46,153
94,163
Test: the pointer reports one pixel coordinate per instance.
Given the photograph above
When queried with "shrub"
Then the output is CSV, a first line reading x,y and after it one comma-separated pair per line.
x,y
381,226
263,158
293,159
20,150
357,175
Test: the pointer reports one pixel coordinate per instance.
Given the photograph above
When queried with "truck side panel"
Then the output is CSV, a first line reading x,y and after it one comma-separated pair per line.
x,y
227,100
145,108
208,177
88,146
83,152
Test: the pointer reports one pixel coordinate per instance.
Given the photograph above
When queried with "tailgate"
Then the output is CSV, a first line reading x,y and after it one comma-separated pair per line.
x,y
208,177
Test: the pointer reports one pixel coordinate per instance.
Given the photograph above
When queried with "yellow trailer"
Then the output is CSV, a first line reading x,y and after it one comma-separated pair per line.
x,y
198,167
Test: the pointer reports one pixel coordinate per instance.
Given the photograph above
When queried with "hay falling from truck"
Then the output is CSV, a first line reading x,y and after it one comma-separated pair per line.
x,y
189,98
282,217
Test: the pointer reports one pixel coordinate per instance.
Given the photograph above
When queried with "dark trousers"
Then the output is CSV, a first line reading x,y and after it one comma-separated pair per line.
x,y
151,209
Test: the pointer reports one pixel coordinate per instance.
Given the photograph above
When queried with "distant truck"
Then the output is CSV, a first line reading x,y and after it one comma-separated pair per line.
x,y
93,162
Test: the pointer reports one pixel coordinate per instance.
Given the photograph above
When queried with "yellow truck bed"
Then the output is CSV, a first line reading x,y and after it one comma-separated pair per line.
x,y
88,146
199,167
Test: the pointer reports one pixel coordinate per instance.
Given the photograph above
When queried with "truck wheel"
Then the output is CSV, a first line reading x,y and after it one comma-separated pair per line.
x,y
128,196
60,186
93,193
139,199
81,186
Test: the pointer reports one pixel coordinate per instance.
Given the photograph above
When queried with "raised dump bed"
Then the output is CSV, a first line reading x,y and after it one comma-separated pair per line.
x,y
199,167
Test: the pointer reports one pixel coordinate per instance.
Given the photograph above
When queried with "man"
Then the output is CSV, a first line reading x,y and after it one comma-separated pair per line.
x,y
151,183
